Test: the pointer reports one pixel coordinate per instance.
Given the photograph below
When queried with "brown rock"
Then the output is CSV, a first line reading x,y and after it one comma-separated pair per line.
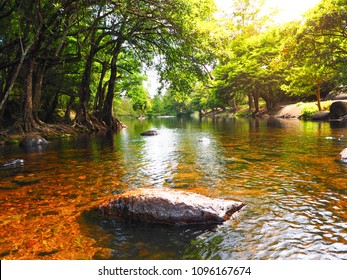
x,y
32,141
338,109
321,116
169,207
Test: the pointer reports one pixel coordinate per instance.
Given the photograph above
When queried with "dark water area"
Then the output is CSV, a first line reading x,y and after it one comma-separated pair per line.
x,y
287,172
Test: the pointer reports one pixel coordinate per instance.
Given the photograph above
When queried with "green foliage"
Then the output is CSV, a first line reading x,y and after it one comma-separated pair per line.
x,y
123,107
164,105
255,70
319,51
271,63
309,110
88,57
87,53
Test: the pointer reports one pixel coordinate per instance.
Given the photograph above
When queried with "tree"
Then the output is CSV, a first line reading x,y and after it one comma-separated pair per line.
x,y
326,24
37,47
97,39
304,78
140,100
250,68
317,51
247,16
134,89
148,29
254,70
80,46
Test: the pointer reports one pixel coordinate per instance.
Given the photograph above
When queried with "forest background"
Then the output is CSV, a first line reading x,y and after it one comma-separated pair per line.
x,y
82,63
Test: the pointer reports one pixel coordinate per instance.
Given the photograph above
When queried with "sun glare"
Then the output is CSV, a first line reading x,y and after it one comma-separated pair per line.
x,y
287,10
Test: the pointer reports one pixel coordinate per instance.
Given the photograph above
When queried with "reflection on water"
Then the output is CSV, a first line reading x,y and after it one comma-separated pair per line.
x,y
288,172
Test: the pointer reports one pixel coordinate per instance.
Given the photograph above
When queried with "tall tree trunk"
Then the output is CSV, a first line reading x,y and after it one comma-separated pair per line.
x,y
318,96
13,79
82,114
100,94
107,110
37,89
82,111
28,119
255,95
250,101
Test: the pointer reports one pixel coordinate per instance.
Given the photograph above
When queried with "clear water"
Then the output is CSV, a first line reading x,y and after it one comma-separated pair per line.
x,y
287,171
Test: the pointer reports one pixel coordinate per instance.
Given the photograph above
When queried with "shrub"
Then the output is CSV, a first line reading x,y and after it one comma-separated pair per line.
x,y
308,111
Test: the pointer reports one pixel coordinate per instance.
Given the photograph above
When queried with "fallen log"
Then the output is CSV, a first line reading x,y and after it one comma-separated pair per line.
x,y
169,206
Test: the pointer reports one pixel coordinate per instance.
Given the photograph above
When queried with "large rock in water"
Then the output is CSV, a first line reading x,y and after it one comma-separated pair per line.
x,y
31,141
321,116
338,109
169,207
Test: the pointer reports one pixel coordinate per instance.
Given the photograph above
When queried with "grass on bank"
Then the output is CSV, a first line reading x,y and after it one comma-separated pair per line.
x,y
310,108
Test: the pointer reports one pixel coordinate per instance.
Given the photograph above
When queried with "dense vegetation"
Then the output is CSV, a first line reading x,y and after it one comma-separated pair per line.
x,y
77,56
276,63
76,61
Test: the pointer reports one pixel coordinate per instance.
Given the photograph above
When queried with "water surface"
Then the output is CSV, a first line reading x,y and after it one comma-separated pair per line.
x,y
287,171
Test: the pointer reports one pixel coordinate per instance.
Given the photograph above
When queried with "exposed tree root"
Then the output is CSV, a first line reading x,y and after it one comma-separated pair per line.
x,y
21,128
34,126
115,124
92,124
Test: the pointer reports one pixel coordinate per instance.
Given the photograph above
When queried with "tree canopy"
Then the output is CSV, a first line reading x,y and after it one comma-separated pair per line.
x,y
263,62
72,61
80,54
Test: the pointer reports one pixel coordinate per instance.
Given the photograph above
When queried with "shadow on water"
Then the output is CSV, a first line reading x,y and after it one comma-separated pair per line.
x,y
129,239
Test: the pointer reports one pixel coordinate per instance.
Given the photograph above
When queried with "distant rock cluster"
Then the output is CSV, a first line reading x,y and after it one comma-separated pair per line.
x,y
337,112
338,93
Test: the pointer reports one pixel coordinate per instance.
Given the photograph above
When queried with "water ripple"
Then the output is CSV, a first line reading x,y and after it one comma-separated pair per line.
x,y
294,188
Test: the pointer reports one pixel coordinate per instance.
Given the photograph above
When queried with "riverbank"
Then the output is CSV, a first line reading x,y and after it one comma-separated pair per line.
x,y
301,110
51,131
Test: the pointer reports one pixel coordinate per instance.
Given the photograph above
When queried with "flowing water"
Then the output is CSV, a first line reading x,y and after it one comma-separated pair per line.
x,y
287,172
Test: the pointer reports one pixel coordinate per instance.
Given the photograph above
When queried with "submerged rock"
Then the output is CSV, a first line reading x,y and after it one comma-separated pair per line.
x,y
168,206
149,133
33,141
338,109
12,163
